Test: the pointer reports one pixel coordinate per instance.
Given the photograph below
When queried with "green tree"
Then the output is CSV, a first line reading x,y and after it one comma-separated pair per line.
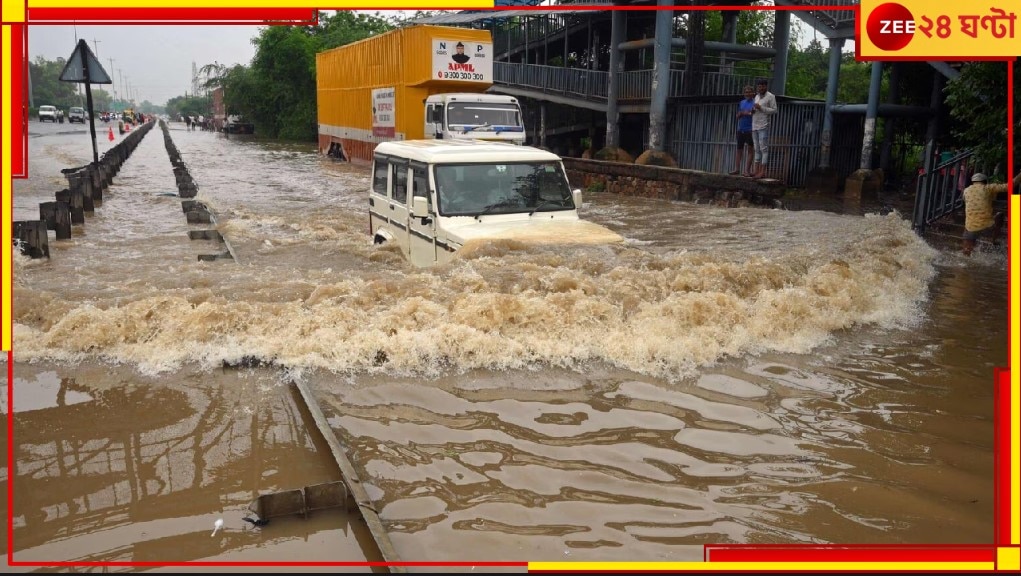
x,y
188,106
147,107
399,19
855,78
346,27
976,103
47,87
277,91
101,100
807,70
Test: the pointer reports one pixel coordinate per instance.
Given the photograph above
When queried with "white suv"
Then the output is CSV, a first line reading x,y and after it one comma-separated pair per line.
x,y
47,113
431,197
76,114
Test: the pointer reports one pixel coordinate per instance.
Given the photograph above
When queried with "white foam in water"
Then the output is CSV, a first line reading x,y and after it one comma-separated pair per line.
x,y
694,285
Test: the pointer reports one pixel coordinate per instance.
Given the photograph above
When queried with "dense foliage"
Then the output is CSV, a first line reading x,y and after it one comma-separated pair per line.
x,y
188,106
277,92
47,88
976,102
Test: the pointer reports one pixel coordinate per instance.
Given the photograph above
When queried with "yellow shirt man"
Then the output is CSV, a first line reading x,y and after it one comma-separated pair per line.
x,y
978,209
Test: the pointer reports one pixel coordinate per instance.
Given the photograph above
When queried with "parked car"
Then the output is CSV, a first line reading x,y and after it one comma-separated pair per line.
x,y
47,113
76,114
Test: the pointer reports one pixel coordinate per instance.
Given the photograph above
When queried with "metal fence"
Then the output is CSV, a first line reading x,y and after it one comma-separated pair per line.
x,y
703,137
594,84
941,187
577,82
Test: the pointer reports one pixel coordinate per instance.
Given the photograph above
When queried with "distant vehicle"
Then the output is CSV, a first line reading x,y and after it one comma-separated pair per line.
x,y
76,114
431,197
47,113
238,125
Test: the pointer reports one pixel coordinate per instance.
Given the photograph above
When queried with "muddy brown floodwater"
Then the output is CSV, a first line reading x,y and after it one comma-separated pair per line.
x,y
727,375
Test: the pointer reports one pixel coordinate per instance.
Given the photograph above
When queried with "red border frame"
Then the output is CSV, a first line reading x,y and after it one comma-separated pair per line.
x,y
719,553
19,114
89,15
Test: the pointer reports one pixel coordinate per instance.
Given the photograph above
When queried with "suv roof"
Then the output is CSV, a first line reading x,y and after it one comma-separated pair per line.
x,y
47,107
464,152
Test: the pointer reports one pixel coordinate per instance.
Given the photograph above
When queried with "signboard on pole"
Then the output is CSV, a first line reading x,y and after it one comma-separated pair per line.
x,y
81,67
82,60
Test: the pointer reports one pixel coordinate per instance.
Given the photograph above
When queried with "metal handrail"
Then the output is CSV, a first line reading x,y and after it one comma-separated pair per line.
x,y
940,189
592,84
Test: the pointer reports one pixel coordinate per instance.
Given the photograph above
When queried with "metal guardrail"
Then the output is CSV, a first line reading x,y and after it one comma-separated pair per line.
x,y
593,84
705,138
941,187
575,82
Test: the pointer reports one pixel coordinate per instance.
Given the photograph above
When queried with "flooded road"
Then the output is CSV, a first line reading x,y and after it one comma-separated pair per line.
x,y
727,375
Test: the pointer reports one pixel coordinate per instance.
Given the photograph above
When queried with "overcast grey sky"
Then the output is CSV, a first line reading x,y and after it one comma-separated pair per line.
x,y
155,60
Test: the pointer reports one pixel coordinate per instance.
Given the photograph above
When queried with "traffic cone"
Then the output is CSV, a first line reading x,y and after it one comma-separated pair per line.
x,y
110,135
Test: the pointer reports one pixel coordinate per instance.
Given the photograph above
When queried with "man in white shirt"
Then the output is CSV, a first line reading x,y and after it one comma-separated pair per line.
x,y
764,107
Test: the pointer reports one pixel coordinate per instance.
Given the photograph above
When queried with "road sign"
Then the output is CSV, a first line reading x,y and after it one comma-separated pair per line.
x,y
83,66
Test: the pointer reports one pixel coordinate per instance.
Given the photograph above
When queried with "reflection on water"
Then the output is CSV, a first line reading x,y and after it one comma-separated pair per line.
x,y
138,470
726,375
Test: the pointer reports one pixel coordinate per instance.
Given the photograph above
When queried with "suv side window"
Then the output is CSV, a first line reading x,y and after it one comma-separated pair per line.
x,y
380,170
420,182
400,186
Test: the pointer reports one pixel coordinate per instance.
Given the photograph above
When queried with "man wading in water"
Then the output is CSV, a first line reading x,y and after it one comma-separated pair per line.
x,y
979,219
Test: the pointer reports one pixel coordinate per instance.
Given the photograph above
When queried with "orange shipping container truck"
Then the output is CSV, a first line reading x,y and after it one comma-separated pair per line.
x,y
408,84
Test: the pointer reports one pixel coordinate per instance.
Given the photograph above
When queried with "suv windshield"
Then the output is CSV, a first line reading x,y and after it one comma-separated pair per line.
x,y
77,110
477,189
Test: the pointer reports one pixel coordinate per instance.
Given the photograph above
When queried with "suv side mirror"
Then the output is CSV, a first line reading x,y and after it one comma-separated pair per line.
x,y
419,207
576,195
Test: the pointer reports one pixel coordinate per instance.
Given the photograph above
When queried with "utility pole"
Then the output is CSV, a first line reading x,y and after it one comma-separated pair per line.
x,y
95,43
113,87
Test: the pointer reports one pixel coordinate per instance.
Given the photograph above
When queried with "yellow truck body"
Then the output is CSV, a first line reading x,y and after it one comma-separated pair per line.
x,y
373,90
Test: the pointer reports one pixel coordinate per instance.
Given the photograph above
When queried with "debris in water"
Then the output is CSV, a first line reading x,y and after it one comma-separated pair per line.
x,y
255,521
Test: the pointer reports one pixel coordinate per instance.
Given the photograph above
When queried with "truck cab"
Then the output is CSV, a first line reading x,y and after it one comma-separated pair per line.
x,y
432,197
468,116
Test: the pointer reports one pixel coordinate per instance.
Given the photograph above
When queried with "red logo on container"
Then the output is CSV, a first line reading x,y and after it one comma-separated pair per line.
x,y
891,26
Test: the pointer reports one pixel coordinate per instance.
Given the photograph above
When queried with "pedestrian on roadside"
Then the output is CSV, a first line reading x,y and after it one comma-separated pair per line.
x,y
745,111
979,219
763,108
